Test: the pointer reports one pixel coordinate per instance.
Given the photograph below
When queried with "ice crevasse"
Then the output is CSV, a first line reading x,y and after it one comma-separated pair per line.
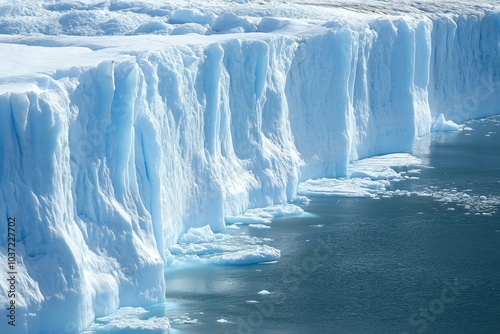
x,y
105,166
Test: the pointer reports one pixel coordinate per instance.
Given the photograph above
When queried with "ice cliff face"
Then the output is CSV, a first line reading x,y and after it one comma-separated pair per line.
x,y
105,166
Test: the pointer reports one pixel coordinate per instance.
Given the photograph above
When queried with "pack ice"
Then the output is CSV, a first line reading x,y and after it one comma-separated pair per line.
x,y
124,124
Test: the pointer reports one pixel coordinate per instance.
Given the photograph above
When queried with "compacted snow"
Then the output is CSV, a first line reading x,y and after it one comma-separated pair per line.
x,y
132,131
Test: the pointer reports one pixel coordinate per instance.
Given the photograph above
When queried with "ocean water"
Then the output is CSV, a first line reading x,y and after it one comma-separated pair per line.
x,y
424,258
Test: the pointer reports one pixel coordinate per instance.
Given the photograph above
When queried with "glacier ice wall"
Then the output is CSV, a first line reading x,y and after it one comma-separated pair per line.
x,y
105,167
465,63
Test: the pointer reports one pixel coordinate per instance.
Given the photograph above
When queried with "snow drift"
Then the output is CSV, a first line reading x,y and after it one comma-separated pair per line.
x,y
105,165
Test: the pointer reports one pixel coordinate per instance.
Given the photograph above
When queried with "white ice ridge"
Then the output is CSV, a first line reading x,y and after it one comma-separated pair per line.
x,y
129,17
111,146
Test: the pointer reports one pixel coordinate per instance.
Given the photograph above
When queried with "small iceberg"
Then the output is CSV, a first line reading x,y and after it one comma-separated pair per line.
x,y
443,125
202,245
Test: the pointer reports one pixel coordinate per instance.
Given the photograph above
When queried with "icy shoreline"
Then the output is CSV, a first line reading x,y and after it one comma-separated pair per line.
x,y
113,146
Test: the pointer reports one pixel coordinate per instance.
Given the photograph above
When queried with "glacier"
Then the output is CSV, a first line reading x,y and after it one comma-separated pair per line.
x,y
119,136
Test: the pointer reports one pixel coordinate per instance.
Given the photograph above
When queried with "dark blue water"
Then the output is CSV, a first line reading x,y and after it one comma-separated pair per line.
x,y
402,264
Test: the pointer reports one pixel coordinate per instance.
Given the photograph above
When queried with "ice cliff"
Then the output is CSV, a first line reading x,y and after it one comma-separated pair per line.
x,y
105,165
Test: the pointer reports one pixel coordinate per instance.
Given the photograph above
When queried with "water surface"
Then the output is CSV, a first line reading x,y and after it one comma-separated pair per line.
x,y
400,264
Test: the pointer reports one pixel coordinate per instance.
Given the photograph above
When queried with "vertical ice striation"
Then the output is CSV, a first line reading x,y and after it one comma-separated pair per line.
x,y
357,92
77,215
465,66
105,167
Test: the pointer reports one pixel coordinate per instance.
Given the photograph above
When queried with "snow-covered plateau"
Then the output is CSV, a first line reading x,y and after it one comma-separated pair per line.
x,y
124,124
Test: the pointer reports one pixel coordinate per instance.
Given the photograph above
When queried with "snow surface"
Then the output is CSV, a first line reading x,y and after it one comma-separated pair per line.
x,y
125,123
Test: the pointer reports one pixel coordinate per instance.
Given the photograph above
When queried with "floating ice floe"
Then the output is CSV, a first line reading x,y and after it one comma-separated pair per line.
x,y
367,178
233,226
265,215
202,245
258,254
132,319
371,177
479,204
259,226
304,200
184,319
343,187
